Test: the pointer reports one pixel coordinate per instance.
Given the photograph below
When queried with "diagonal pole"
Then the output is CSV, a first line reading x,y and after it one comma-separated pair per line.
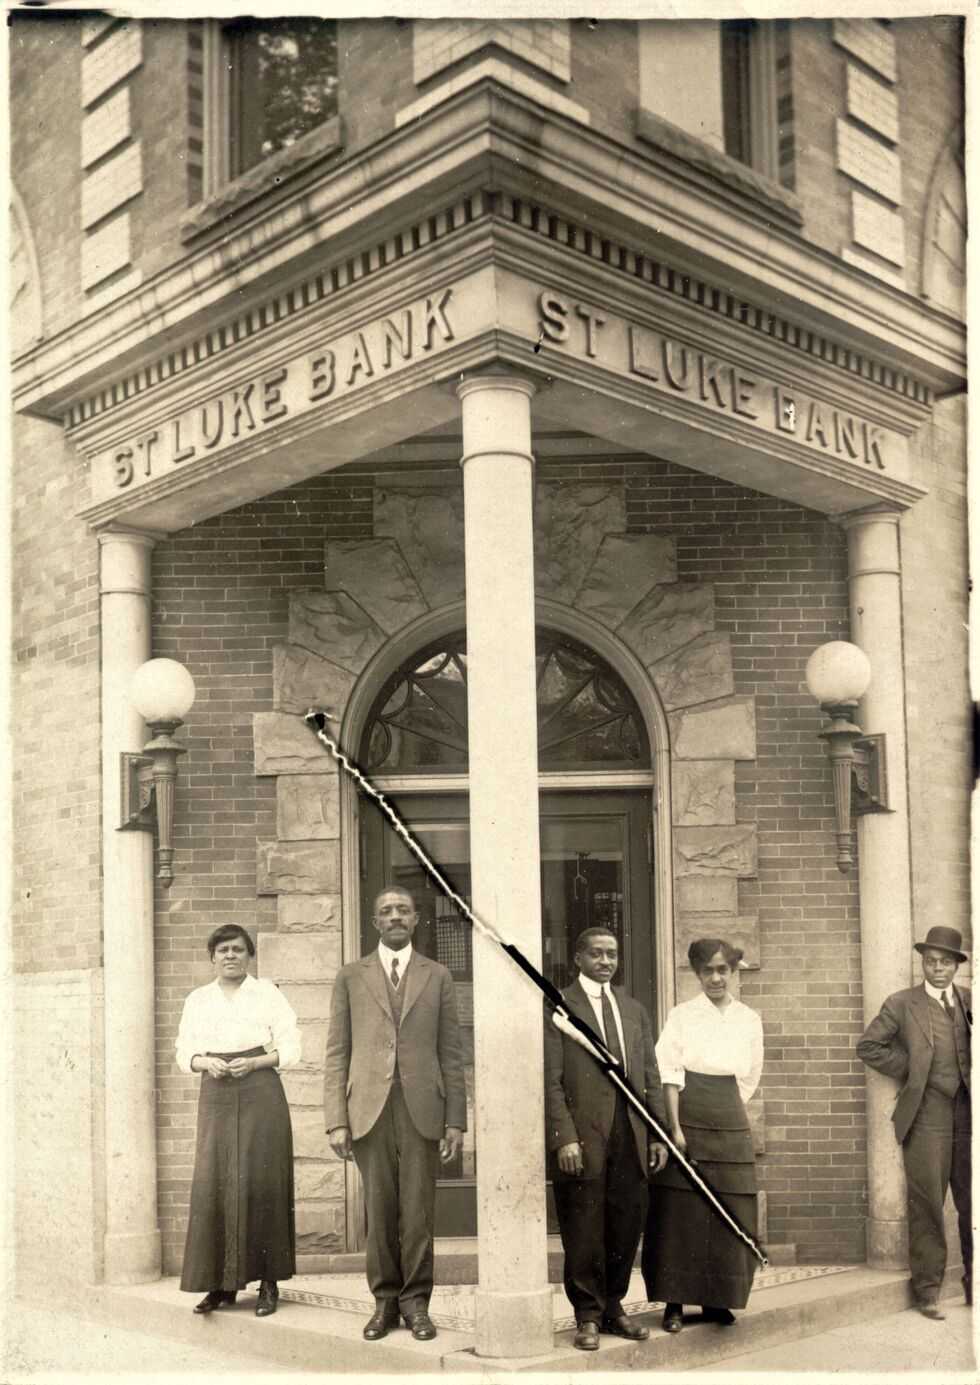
x,y
562,1017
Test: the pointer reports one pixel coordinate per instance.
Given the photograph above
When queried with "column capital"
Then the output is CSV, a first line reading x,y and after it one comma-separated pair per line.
x,y
124,565
502,380
872,514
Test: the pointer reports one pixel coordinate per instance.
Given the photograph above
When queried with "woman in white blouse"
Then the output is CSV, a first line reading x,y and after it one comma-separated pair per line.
x,y
710,1060
238,1032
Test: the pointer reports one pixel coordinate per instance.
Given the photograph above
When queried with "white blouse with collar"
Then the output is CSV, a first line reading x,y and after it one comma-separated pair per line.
x,y
254,1015
700,1036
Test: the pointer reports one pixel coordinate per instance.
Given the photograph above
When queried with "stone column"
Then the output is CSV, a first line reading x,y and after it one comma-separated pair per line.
x,y
132,1233
513,1300
874,571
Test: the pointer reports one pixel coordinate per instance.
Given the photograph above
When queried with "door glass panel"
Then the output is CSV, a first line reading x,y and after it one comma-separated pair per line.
x,y
583,872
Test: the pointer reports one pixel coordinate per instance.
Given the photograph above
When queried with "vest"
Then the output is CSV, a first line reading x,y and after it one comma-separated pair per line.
x,y
396,997
951,1049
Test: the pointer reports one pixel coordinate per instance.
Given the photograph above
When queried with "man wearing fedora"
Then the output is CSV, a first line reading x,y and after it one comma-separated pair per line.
x,y
921,1037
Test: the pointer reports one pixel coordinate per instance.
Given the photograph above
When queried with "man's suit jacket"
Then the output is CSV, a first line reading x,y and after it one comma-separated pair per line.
x,y
580,1100
362,1045
898,1042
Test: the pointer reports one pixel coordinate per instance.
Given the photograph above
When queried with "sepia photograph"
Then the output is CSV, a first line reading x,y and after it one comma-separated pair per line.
x,y
489,722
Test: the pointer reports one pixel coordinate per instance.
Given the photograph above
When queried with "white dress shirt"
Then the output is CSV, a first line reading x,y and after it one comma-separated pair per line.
x,y
594,991
721,1041
254,1015
938,994
388,955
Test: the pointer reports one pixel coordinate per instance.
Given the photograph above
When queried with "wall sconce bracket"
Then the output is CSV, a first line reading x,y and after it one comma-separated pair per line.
x,y
869,776
137,810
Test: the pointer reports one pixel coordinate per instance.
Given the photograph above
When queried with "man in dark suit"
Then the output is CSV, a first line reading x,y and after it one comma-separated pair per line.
x,y
598,1149
921,1037
395,1100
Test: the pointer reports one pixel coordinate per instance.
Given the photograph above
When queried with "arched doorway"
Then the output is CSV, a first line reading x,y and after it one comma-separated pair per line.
x,y
595,777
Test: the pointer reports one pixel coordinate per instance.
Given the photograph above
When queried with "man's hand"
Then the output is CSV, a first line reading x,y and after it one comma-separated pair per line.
x,y
340,1142
570,1158
450,1144
217,1067
657,1156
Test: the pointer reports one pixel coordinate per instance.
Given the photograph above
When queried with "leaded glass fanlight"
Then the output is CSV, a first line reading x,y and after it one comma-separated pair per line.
x,y
587,717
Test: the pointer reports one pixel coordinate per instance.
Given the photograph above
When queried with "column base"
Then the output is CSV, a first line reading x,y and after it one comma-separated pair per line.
x,y
132,1257
888,1244
515,1324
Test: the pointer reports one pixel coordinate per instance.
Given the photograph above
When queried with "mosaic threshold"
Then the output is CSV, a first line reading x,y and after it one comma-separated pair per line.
x,y
452,1305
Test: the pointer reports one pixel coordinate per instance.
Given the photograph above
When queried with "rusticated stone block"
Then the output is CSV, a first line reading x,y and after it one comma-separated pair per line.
x,y
312,913
570,522
715,850
319,1227
740,932
303,1088
314,1037
316,1182
374,572
309,1002
697,672
667,618
335,626
307,807
309,1133
702,793
625,568
706,894
285,744
296,957
722,731
300,867
427,523
301,680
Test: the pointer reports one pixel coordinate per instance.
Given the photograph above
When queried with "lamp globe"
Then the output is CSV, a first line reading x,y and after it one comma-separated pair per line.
x,y
838,673
162,690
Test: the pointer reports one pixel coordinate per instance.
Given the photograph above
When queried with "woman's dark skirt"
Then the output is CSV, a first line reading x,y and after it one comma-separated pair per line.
x,y
242,1218
689,1254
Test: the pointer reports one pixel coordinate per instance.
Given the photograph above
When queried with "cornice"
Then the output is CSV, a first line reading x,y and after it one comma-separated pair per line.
x,y
487,144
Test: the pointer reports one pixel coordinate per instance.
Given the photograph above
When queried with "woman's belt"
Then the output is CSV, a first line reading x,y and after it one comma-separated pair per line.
x,y
242,1053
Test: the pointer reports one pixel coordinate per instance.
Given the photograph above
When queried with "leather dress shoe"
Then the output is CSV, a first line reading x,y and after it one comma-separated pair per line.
x,y
724,1317
268,1298
931,1310
622,1326
586,1336
673,1318
216,1298
420,1325
381,1321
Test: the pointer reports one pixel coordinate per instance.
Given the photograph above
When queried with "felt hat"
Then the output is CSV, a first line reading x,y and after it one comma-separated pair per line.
x,y
946,939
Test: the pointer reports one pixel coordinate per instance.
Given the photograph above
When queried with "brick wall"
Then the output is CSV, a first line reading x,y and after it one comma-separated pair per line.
x,y
374,59
220,604
606,74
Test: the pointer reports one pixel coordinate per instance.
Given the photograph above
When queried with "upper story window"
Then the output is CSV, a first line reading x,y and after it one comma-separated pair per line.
x,y
717,81
271,81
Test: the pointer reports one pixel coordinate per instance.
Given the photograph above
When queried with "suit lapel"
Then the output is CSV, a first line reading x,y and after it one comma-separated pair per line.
x,y
375,981
631,1029
919,1009
418,973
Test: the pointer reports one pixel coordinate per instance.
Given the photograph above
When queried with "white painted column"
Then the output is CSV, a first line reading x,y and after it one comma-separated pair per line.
x,y
513,1299
874,572
132,1233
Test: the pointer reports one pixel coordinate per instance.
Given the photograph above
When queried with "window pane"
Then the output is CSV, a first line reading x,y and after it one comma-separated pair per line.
x,y
283,83
587,717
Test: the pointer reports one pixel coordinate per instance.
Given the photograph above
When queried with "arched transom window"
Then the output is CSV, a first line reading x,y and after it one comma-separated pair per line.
x,y
587,717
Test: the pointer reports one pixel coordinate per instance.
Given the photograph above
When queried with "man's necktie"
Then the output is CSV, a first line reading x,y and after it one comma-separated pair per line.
x,y
948,1008
394,972
612,1033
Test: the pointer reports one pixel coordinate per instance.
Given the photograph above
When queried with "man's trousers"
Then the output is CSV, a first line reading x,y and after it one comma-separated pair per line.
x,y
936,1152
398,1167
600,1220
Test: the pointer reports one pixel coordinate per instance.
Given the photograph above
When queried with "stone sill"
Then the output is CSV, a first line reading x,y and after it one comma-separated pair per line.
x,y
265,179
732,174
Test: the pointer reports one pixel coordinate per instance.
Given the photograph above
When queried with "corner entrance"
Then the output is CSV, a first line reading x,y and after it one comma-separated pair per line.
x,y
595,838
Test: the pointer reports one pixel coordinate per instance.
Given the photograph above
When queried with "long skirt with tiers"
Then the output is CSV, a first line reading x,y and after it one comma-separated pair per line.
x,y
689,1254
242,1215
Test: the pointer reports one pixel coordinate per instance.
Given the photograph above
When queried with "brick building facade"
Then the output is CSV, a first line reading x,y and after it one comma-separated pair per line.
x,y
746,347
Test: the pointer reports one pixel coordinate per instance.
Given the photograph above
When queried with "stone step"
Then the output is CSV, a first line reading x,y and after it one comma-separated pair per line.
x,y
325,1333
